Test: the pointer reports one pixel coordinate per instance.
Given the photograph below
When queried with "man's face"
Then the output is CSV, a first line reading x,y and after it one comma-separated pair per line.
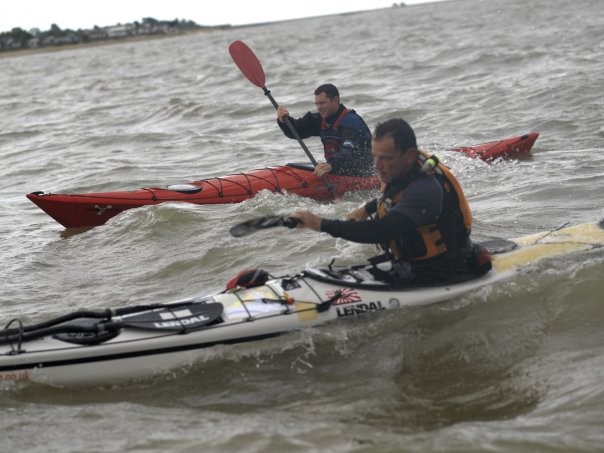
x,y
389,162
325,106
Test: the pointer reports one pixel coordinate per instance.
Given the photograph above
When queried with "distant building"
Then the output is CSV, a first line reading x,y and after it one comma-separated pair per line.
x,y
119,31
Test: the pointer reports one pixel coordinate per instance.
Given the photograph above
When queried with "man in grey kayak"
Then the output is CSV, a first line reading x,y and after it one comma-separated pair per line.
x,y
345,136
422,219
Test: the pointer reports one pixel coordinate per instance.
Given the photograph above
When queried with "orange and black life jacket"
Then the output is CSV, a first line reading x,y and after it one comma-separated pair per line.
x,y
451,229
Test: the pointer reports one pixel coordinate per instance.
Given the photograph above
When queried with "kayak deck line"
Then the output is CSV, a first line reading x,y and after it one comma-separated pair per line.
x,y
248,177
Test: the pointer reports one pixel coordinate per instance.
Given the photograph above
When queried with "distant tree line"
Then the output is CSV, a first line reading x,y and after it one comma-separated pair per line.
x,y
18,39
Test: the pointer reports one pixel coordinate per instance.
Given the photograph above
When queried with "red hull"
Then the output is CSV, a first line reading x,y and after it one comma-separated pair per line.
x,y
501,149
92,209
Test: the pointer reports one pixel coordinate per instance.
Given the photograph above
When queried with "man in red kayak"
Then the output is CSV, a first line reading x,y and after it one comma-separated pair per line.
x,y
345,136
422,219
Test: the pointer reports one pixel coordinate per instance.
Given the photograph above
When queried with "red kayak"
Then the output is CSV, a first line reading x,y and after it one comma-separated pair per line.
x,y
92,209
501,149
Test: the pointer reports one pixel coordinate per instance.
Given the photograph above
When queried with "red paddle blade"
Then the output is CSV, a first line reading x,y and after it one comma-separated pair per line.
x,y
248,63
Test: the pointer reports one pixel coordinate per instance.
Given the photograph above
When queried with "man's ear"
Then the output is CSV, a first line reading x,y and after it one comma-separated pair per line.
x,y
411,154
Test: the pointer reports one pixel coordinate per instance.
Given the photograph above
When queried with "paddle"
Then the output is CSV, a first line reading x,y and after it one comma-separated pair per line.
x,y
261,223
250,66
180,317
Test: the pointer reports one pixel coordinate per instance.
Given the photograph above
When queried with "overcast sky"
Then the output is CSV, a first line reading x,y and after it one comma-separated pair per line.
x,y
85,14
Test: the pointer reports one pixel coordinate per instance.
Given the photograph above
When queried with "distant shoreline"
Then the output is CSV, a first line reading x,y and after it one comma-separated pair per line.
x,y
203,29
107,42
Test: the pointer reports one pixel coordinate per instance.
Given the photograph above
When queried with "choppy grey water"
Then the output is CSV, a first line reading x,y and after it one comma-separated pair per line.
x,y
515,367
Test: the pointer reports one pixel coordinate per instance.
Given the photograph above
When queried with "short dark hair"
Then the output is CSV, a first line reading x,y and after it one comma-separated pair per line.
x,y
399,130
330,90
